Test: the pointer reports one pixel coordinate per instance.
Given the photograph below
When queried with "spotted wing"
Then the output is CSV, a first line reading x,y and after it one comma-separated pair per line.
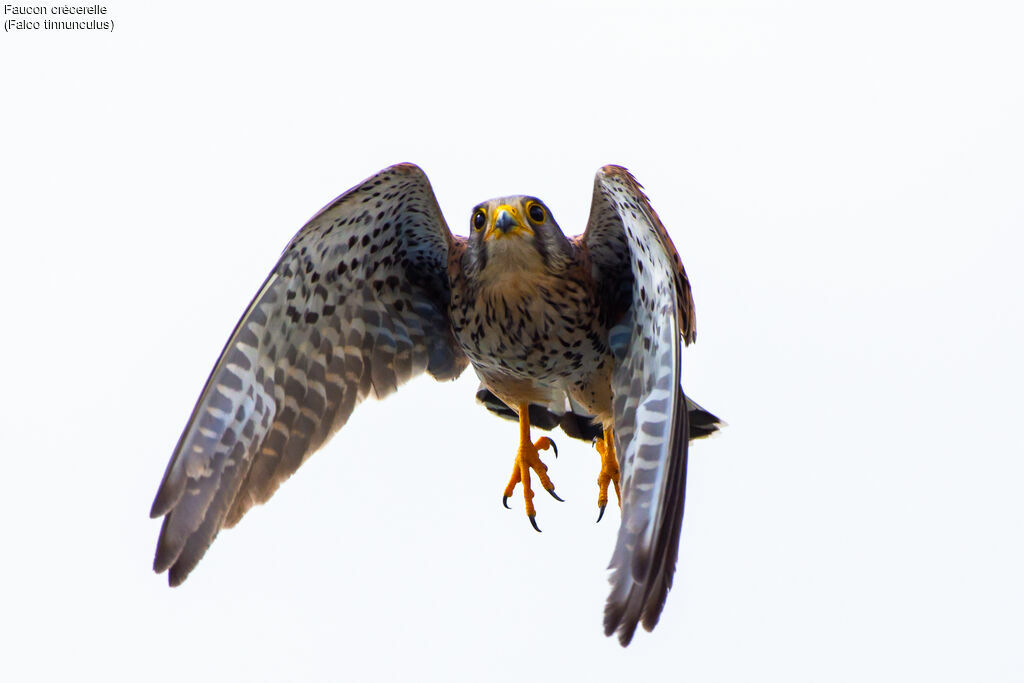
x,y
356,306
646,296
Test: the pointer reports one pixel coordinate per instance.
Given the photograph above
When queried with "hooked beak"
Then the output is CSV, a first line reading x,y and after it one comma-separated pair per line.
x,y
507,223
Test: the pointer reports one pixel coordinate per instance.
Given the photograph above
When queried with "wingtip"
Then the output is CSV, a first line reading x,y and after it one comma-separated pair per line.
x,y
165,556
625,630
172,486
162,563
162,504
619,618
176,578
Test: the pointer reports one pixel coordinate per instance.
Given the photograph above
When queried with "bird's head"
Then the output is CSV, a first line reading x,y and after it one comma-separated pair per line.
x,y
516,233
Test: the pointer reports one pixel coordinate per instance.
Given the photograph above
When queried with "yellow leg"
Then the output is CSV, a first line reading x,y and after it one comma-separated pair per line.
x,y
527,458
609,471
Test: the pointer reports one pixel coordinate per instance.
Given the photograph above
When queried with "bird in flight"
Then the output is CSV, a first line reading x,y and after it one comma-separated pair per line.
x,y
582,333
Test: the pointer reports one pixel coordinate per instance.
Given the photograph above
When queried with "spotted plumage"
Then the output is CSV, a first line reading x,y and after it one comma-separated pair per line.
x,y
526,315
375,289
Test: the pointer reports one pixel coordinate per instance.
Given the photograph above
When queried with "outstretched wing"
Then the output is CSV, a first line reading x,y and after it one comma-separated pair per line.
x,y
646,296
356,306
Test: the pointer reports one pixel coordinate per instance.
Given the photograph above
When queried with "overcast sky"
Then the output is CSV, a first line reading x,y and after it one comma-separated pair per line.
x,y
844,183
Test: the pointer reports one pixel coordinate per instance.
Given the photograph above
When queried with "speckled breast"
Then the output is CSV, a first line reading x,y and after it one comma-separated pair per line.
x,y
543,330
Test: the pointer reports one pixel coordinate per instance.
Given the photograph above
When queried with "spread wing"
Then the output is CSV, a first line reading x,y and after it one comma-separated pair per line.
x,y
646,296
356,306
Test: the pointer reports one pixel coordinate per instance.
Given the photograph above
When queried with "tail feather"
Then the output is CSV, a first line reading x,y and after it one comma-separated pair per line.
x,y
579,425
702,422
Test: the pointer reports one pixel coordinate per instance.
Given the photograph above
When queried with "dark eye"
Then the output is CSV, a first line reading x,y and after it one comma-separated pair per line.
x,y
536,212
478,220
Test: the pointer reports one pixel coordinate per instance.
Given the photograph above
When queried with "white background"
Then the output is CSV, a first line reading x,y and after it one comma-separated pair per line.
x,y
844,182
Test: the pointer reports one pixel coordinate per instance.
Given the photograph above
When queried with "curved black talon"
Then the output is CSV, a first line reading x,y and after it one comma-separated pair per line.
x,y
602,514
553,447
533,521
555,495
504,501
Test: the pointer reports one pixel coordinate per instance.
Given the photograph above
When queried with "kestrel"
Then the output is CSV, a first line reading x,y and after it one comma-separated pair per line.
x,y
582,333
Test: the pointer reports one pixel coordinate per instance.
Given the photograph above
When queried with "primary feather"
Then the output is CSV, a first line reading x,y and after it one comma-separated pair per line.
x,y
638,267
355,306
586,334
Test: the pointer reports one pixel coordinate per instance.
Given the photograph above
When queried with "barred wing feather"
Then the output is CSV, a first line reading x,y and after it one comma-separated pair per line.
x,y
625,235
356,306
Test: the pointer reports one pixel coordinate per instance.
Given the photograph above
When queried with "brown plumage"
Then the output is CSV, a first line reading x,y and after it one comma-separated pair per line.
x,y
525,310
375,289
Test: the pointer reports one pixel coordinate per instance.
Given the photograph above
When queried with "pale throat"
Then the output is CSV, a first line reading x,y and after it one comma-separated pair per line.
x,y
512,264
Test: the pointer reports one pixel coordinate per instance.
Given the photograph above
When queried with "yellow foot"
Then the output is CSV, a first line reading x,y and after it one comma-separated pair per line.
x,y
527,458
609,471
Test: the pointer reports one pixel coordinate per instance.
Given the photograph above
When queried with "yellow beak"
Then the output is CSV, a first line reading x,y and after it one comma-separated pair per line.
x,y
506,222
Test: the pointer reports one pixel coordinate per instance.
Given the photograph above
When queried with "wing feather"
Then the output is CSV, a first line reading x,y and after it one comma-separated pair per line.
x,y
356,306
647,296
